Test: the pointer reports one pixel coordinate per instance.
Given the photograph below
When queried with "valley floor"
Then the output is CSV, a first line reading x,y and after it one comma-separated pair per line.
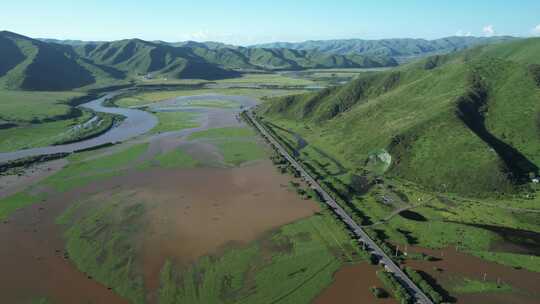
x,y
189,213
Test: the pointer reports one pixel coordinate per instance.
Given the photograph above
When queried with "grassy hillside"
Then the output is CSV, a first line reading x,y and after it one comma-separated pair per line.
x,y
138,57
30,64
465,123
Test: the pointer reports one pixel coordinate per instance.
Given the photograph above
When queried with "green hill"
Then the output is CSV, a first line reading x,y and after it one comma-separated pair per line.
x,y
34,65
30,64
138,57
466,122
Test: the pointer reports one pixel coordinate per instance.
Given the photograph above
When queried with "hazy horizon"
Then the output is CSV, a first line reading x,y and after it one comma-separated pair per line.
x,y
261,43
247,23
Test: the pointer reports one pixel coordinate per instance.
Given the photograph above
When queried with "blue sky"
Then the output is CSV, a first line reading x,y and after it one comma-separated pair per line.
x,y
248,22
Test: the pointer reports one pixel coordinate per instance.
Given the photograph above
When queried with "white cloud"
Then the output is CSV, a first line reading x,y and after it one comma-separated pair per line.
x,y
200,35
462,33
488,30
536,30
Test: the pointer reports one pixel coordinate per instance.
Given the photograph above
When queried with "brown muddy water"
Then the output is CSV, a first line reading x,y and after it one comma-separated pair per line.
x,y
351,285
191,213
453,264
198,211
32,259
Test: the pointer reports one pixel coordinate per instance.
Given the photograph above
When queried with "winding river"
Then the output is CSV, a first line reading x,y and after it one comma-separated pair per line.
x,y
136,122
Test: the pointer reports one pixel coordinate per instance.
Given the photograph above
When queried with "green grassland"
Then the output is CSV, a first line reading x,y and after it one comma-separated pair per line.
x,y
90,166
12,203
174,121
211,103
102,123
41,301
269,79
176,159
465,285
37,119
221,133
24,106
291,265
237,145
54,133
239,152
100,241
524,261
331,76
37,135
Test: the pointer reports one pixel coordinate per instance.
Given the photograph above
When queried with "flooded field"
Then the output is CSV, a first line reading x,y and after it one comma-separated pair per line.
x,y
34,262
13,183
188,213
195,212
353,282
192,213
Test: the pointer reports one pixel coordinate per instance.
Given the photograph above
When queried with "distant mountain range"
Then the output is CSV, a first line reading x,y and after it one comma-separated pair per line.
x,y
45,64
394,48
144,57
49,64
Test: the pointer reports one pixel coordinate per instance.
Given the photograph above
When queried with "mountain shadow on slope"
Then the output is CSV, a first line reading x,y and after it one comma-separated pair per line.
x,y
10,55
471,110
53,69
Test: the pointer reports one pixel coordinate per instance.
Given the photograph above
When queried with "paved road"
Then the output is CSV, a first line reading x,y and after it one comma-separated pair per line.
x,y
136,122
362,236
